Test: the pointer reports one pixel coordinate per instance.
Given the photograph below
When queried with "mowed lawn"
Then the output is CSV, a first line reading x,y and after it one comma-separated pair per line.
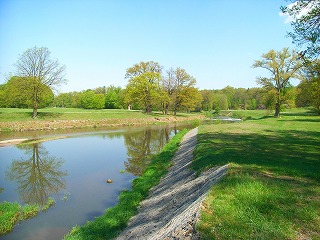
x,y
272,189
16,114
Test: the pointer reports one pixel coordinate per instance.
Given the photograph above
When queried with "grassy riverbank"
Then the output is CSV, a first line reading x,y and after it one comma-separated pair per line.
x,y
115,219
272,188
12,213
12,119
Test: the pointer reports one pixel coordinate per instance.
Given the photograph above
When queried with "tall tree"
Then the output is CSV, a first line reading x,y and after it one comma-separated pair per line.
x,y
305,16
283,66
141,68
113,97
144,84
36,65
144,90
309,88
178,83
19,93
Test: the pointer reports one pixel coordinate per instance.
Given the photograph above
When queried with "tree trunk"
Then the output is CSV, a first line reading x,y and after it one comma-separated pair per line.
x,y
148,109
35,105
35,111
277,112
166,111
278,104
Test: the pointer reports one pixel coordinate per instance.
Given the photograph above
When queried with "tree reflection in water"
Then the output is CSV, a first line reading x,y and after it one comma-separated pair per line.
x,y
141,145
39,176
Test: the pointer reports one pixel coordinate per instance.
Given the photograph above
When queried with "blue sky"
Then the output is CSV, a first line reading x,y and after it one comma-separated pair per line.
x,y
216,41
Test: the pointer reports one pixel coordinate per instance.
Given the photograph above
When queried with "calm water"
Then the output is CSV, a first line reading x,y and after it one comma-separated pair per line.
x,y
74,171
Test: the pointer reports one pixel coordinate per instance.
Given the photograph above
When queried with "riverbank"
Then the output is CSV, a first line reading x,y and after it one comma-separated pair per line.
x,y
56,119
272,187
172,207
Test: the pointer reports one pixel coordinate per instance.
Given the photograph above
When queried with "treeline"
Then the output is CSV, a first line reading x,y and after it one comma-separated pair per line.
x,y
150,88
112,97
227,98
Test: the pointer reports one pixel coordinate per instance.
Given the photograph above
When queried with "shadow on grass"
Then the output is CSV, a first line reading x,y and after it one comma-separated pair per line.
x,y
304,114
304,120
46,115
292,153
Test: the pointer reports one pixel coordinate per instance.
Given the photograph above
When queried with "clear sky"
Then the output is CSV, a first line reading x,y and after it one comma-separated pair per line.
x,y
216,41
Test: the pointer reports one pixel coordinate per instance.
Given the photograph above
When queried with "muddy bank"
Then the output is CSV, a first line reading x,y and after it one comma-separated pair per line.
x,y
34,125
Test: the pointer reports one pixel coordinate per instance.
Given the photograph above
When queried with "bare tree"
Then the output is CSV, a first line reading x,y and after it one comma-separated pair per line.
x,y
36,65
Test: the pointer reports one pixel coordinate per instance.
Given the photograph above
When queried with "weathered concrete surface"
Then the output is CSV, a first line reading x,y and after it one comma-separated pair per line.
x,y
172,208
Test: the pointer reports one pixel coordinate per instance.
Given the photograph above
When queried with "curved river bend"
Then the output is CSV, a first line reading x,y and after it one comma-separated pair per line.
x,y
73,171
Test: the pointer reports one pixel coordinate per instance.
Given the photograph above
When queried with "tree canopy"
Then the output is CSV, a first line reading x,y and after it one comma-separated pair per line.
x,y
36,66
283,66
306,25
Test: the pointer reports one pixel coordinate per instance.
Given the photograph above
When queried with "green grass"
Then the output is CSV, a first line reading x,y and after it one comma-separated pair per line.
x,y
16,114
12,213
272,189
116,218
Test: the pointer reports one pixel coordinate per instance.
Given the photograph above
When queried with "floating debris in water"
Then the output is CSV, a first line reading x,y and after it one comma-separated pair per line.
x,y
109,181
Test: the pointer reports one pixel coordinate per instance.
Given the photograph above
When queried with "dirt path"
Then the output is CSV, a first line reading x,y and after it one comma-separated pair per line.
x,y
172,208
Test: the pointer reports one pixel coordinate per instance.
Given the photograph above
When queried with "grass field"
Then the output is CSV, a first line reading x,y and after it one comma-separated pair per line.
x,y
12,119
16,114
272,189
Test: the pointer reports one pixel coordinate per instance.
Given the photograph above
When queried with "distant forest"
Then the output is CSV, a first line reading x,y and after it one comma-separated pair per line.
x,y
113,98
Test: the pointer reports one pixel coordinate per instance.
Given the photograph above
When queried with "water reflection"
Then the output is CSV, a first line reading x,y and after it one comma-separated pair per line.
x,y
141,145
37,176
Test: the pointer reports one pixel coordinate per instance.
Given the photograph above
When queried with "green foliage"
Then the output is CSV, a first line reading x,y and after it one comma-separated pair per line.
x,y
180,87
68,100
9,215
309,88
19,93
272,186
306,20
41,72
12,213
144,90
283,66
49,204
92,100
115,219
113,97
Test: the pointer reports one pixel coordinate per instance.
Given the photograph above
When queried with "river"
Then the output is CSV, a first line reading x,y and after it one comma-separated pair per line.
x,y
73,170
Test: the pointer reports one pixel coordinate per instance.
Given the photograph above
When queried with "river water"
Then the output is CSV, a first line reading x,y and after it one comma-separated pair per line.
x,y
73,171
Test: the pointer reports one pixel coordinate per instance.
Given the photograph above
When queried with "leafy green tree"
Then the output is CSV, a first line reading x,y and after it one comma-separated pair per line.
x,y
306,24
309,88
179,88
36,66
144,90
207,100
92,100
113,98
143,67
191,99
220,102
19,93
2,95
283,66
230,93
143,87
63,100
